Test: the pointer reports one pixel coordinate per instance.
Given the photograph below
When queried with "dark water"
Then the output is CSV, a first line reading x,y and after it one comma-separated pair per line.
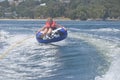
x,y
90,52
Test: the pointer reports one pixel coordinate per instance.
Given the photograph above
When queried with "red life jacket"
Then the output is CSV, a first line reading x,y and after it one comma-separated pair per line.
x,y
51,25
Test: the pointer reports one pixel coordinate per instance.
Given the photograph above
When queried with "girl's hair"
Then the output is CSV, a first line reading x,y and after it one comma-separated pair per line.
x,y
50,19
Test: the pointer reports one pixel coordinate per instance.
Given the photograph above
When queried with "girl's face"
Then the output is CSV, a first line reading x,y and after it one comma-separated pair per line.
x,y
50,21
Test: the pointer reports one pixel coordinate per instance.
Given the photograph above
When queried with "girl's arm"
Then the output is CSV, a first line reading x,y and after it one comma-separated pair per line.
x,y
59,26
41,29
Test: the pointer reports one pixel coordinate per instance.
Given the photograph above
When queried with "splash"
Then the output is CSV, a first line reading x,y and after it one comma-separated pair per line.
x,y
3,35
110,49
13,46
106,30
24,56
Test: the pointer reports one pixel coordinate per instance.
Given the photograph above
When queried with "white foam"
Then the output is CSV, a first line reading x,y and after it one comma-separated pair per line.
x,y
106,29
27,47
3,35
113,72
110,49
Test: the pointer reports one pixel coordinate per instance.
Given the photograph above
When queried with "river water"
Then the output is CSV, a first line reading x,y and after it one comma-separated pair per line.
x,y
90,52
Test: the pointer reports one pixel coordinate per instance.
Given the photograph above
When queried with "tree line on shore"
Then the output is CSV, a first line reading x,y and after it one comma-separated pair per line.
x,y
73,9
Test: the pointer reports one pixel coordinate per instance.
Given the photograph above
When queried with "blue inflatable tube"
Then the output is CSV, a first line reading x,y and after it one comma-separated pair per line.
x,y
57,35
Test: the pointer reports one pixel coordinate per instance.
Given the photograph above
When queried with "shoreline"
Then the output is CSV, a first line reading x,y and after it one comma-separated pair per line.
x,y
60,19
56,19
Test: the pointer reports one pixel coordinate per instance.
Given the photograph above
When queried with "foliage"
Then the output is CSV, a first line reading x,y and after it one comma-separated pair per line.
x,y
76,9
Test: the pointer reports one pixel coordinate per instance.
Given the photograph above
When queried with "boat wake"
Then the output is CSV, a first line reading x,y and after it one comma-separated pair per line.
x,y
23,57
108,47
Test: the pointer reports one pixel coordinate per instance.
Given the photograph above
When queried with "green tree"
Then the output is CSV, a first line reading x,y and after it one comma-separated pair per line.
x,y
41,11
5,4
27,8
82,13
76,9
96,11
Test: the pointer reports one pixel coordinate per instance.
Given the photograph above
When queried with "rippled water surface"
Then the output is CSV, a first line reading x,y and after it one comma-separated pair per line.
x,y
90,52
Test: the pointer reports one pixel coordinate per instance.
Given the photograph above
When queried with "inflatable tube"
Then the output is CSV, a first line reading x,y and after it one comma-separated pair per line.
x,y
57,35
